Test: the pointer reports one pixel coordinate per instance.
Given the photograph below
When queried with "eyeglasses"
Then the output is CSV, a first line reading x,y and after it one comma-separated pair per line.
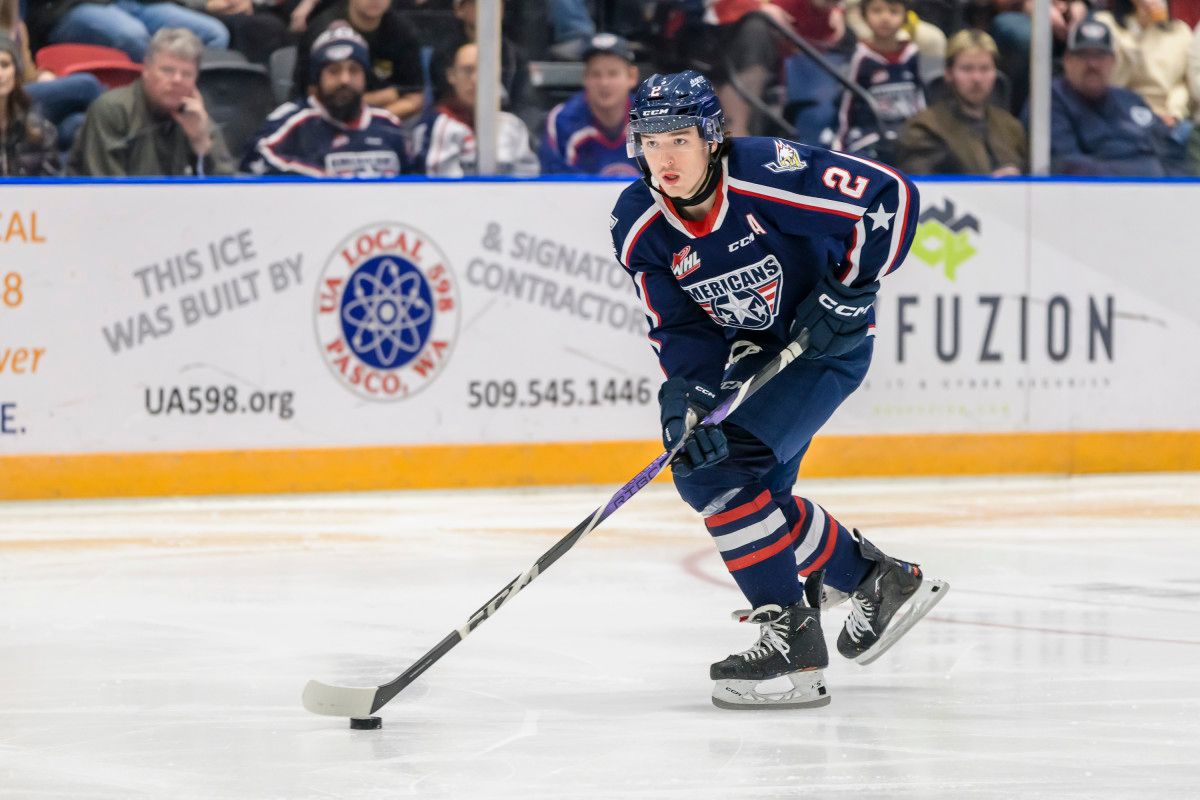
x,y
172,73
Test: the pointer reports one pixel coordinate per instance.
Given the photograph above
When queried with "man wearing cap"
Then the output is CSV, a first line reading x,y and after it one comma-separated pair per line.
x,y
586,133
1096,128
334,133
395,81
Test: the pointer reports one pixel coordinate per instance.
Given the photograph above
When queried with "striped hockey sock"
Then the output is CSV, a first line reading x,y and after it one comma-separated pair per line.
x,y
824,543
755,536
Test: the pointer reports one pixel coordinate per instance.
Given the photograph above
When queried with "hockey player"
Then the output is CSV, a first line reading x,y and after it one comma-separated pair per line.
x,y
736,247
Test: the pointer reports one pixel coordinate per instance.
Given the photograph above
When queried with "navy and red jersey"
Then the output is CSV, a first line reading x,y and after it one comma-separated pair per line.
x,y
303,139
893,80
575,142
785,214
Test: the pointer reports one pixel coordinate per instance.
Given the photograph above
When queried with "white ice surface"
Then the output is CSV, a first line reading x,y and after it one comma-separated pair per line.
x,y
157,649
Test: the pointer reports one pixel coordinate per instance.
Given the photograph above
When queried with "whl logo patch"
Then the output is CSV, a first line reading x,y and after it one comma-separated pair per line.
x,y
943,238
685,262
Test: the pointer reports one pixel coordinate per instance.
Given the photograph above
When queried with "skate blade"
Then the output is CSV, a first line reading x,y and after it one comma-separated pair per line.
x,y
808,691
927,595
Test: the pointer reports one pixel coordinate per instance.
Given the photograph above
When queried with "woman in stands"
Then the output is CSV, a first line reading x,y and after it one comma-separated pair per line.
x,y
62,100
27,142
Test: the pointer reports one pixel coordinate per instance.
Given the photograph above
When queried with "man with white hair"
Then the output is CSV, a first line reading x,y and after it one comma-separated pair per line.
x,y
156,125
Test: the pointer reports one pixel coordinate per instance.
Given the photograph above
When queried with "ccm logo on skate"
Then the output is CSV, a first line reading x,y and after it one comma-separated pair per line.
x,y
387,312
840,310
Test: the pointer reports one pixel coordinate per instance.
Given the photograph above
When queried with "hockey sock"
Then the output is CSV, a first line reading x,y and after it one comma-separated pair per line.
x,y
755,537
824,543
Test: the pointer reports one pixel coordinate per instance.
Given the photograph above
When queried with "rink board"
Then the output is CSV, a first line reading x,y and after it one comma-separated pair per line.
x,y
260,337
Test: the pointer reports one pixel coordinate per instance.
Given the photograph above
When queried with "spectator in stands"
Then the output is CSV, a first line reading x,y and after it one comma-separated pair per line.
x,y
514,68
929,38
1098,129
964,133
335,133
741,39
445,136
1194,86
156,125
27,142
745,38
573,26
886,68
586,133
62,101
255,30
1152,57
124,24
1012,31
395,81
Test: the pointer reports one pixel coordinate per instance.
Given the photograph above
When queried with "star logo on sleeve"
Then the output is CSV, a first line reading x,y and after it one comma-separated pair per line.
x,y
881,219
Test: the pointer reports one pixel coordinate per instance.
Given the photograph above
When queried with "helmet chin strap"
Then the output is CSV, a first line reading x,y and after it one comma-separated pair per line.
x,y
711,179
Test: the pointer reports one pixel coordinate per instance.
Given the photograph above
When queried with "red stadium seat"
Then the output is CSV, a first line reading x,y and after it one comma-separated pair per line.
x,y
113,74
58,58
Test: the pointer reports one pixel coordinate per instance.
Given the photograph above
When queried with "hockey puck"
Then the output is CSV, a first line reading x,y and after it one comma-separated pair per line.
x,y
366,723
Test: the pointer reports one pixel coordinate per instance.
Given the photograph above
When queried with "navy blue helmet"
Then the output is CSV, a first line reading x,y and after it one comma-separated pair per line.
x,y
664,103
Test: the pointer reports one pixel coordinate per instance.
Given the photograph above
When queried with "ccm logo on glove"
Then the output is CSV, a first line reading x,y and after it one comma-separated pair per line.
x,y
842,310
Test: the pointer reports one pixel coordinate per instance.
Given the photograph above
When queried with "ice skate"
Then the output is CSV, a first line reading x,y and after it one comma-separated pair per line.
x,y
893,597
790,645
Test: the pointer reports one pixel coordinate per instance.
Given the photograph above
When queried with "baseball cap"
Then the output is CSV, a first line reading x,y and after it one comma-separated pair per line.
x,y
1089,34
339,42
608,44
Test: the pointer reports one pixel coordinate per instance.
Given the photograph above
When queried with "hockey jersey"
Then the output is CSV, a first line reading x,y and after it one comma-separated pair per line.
x,y
302,139
894,81
785,214
575,142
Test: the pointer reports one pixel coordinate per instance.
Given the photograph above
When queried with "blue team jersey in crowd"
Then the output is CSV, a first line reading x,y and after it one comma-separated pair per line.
x,y
893,80
574,142
302,139
785,214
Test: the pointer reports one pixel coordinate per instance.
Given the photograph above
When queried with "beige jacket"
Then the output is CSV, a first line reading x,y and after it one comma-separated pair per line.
x,y
1154,63
1194,73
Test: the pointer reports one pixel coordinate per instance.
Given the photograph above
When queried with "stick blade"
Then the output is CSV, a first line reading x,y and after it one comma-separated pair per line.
x,y
338,701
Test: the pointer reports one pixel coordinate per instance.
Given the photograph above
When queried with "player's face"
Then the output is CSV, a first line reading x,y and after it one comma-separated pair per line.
x,y
1088,71
678,160
607,81
168,79
8,75
884,18
972,77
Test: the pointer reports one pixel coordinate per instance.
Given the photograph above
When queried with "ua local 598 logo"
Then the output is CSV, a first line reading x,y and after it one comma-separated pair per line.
x,y
387,311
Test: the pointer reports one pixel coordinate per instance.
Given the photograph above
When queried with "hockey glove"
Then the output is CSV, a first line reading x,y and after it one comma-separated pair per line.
x,y
681,406
835,316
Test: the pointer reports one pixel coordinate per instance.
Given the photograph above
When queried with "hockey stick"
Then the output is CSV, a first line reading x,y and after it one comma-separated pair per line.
x,y
357,703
